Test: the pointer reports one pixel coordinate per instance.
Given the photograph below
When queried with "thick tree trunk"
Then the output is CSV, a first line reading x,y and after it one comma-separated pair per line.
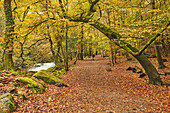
x,y
150,70
8,61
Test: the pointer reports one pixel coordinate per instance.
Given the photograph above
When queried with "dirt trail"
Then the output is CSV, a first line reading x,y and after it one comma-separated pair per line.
x,y
99,90
92,89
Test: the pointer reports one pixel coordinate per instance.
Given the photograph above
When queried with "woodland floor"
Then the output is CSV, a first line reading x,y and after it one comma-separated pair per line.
x,y
93,89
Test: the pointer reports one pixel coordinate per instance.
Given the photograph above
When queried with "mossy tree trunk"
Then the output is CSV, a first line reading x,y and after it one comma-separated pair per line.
x,y
9,36
150,70
159,57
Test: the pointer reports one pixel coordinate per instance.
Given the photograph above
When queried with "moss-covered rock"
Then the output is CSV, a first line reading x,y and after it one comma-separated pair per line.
x,y
49,78
7,102
3,111
33,84
27,81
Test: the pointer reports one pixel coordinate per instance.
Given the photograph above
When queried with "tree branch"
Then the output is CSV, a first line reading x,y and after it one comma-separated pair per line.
x,y
34,27
152,39
91,10
63,10
36,42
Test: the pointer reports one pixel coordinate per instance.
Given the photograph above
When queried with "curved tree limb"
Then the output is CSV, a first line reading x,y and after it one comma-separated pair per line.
x,y
36,42
152,39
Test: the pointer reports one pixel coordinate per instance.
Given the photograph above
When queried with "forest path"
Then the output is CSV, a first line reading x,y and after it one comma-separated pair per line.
x,y
97,90
92,89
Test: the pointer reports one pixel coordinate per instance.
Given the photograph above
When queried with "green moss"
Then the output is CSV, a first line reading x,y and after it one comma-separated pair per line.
x,y
8,102
27,81
15,84
3,111
49,78
12,102
41,82
33,84
61,84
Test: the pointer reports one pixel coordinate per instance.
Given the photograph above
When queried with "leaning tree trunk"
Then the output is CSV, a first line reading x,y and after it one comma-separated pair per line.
x,y
8,61
150,70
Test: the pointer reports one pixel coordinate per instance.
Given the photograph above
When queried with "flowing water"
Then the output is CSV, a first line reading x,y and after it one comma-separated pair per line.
x,y
42,66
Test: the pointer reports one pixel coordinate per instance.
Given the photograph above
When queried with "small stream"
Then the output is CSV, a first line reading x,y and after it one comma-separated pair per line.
x,y
42,66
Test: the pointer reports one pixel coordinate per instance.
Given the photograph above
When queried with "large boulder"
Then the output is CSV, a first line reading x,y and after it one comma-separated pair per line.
x,y
7,102
49,78
32,83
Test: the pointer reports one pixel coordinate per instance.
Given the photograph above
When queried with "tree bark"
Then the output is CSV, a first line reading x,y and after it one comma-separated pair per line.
x,y
77,53
111,44
82,35
159,57
8,52
51,48
66,54
150,70
111,51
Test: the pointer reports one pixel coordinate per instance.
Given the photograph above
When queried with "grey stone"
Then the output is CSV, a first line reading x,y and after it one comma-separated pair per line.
x,y
7,102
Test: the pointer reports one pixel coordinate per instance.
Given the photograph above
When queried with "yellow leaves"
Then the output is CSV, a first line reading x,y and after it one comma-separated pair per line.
x,y
154,11
1,2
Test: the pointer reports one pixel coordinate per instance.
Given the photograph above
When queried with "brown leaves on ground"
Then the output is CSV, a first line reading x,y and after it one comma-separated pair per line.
x,y
93,89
